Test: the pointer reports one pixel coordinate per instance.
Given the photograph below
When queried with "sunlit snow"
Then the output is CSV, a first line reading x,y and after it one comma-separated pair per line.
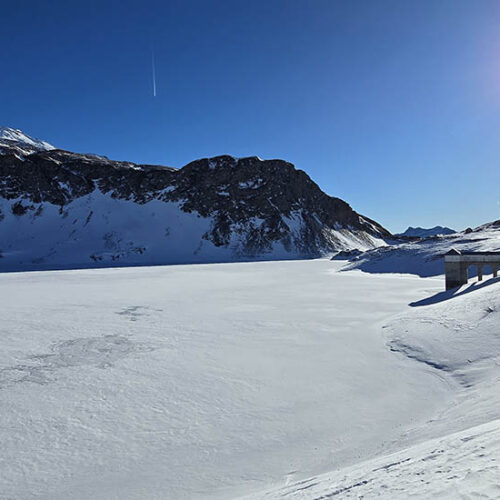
x,y
216,381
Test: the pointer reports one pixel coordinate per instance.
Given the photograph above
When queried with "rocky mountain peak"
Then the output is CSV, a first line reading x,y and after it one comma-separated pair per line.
x,y
220,208
15,138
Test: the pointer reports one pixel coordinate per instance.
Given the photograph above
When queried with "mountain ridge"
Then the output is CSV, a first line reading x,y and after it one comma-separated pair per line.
x,y
421,232
249,209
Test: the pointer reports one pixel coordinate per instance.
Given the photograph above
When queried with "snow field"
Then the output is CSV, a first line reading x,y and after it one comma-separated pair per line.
x,y
206,381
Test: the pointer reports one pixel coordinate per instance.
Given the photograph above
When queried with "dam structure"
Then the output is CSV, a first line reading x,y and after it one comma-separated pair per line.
x,y
457,266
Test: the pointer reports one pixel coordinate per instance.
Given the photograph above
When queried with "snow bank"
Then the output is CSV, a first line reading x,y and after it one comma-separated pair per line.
x,y
452,331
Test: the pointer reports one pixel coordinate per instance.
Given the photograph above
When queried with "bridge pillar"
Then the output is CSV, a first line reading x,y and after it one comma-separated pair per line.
x,y
456,274
479,272
495,270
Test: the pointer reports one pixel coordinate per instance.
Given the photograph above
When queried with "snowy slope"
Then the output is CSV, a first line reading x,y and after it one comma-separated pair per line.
x,y
460,465
100,230
14,138
425,257
458,454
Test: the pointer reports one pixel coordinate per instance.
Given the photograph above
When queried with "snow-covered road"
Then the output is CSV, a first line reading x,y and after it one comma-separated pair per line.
x,y
206,381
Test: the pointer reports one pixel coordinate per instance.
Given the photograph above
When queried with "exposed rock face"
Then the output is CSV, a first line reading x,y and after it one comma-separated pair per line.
x,y
252,208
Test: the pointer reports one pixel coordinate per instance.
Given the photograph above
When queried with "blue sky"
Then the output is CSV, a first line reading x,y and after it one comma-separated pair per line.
x,y
392,105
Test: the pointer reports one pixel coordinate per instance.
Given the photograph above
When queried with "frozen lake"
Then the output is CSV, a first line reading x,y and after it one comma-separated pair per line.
x,y
203,381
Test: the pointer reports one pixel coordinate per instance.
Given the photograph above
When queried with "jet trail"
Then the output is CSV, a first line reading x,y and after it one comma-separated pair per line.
x,y
153,67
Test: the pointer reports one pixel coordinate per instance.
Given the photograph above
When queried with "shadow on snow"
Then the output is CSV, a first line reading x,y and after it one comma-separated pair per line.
x,y
454,292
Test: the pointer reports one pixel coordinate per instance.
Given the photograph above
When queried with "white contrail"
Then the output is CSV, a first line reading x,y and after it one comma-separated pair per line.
x,y
153,66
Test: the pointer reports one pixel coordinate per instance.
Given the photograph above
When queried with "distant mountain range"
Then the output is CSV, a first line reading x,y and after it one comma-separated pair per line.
x,y
420,232
60,209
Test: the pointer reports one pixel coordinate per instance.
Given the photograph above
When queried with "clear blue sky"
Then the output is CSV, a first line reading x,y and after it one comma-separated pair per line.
x,y
392,105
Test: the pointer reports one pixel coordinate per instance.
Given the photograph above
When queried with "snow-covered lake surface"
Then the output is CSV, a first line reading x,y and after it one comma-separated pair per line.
x,y
224,380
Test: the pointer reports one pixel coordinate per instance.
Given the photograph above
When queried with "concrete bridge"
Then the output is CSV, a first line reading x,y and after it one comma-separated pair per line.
x,y
457,266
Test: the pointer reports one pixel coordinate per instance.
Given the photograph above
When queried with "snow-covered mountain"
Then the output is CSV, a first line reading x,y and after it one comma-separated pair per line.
x,y
16,141
425,257
60,209
420,232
